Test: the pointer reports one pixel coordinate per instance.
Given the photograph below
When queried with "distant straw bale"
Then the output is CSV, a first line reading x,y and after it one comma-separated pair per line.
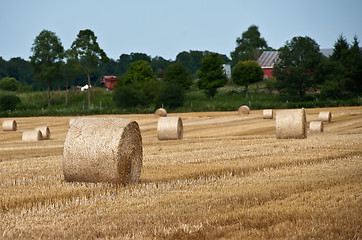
x,y
161,112
325,116
291,123
244,110
170,128
31,136
10,125
103,150
316,126
268,113
45,132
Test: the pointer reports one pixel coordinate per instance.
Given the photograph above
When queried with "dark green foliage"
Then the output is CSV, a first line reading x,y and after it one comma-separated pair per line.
x,y
246,73
138,84
178,75
298,66
249,46
9,84
211,74
170,96
47,57
9,102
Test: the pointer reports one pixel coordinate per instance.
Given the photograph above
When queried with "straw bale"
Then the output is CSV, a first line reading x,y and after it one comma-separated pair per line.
x,y
325,116
170,128
244,110
71,121
32,136
45,132
161,112
10,125
268,113
103,150
291,123
316,126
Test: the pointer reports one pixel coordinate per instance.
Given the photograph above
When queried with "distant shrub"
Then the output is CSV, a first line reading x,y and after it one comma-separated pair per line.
x,y
171,96
9,84
8,102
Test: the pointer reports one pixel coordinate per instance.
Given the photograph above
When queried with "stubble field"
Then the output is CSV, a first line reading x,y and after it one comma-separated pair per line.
x,y
228,178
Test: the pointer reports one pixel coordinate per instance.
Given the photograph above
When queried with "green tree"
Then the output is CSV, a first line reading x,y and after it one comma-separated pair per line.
x,y
9,84
246,73
47,57
170,95
89,55
249,46
178,75
9,102
137,87
298,65
211,74
340,48
70,70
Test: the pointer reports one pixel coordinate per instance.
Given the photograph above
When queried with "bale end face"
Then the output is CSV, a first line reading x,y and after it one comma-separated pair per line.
x,y
244,110
9,125
103,150
291,124
170,128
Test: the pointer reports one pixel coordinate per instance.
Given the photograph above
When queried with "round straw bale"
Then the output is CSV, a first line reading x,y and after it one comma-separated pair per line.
x,y
291,123
161,112
325,116
170,128
45,132
316,126
10,125
31,136
243,110
268,113
103,150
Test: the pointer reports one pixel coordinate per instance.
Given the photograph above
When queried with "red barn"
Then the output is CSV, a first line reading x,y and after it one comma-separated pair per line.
x,y
108,81
266,61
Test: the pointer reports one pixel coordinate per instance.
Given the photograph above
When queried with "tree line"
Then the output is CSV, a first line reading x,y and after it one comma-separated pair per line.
x,y
301,69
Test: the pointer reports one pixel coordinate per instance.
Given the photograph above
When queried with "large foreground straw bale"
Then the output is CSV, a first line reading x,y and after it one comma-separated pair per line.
x,y
268,113
291,123
10,125
244,110
161,112
103,150
31,136
71,121
170,128
45,132
325,116
316,126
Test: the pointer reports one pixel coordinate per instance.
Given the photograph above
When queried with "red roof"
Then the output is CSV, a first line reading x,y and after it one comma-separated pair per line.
x,y
268,58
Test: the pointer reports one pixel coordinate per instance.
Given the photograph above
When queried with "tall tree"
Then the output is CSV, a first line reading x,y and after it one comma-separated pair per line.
x,y
297,67
70,69
246,73
47,57
89,55
340,48
178,75
249,46
211,74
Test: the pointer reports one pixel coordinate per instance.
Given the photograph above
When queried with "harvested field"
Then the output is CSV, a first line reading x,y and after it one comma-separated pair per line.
x,y
230,178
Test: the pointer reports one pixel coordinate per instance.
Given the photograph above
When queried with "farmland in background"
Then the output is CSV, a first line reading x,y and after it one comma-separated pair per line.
x,y
228,178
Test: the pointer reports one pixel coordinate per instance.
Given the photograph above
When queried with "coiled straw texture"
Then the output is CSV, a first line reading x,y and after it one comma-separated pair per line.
x,y
45,132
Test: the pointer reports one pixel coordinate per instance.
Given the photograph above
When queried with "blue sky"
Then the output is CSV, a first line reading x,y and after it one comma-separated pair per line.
x,y
167,27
